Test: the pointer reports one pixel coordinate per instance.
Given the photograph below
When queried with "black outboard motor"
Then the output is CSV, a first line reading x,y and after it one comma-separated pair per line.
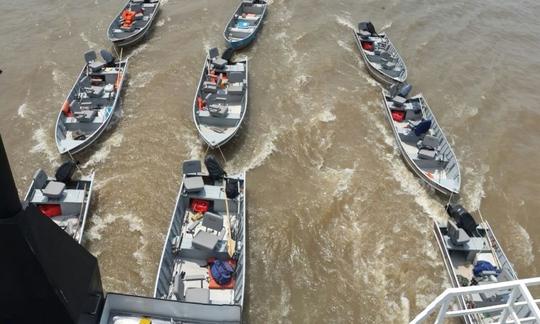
x,y
107,57
367,26
228,54
215,170
463,218
404,90
65,171
400,89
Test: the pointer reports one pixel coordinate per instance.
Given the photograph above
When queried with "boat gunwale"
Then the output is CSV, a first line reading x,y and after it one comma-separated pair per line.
x,y
387,79
115,40
439,187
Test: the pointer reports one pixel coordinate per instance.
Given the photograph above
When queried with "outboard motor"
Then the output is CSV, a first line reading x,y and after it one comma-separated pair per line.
x,y
107,57
400,89
228,54
404,90
65,171
215,170
367,26
463,218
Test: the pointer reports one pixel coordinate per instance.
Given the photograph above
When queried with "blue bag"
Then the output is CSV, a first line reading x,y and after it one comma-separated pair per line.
x,y
222,272
484,268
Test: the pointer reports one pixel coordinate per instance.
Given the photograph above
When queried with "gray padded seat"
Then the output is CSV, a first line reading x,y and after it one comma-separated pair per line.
x,y
427,154
178,287
54,189
219,63
235,76
213,221
198,295
40,179
399,101
209,87
85,116
90,58
235,89
457,235
218,110
193,183
374,58
205,241
429,141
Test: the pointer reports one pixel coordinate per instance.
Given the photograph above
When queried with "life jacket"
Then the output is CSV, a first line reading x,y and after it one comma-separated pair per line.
x,y
199,206
50,210
128,16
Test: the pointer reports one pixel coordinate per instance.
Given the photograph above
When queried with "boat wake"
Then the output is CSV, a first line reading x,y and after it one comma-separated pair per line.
x,y
399,171
22,110
44,147
91,45
345,46
104,149
346,22
141,79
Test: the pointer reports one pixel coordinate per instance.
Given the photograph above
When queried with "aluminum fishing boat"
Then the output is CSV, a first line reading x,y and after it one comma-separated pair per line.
x,y
245,23
133,22
221,99
63,199
473,256
90,105
203,259
381,58
421,141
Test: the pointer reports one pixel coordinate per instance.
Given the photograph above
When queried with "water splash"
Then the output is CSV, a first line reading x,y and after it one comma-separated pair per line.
x,y
104,150
43,146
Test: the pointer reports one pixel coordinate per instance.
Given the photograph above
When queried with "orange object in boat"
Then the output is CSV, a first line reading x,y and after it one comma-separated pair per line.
x,y
66,109
200,103
118,80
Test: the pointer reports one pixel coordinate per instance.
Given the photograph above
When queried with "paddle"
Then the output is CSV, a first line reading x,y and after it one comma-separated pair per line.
x,y
231,244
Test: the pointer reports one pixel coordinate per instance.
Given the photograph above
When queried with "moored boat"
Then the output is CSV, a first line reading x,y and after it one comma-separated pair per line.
x,y
421,141
381,58
63,199
221,99
90,105
473,256
203,259
133,22
244,24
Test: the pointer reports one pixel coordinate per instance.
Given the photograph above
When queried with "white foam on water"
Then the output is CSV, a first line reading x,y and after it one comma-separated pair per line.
x,y
280,36
160,23
301,80
344,22
473,189
326,116
386,26
98,224
104,150
262,152
141,79
87,41
408,182
344,45
344,179
138,50
43,146
22,109
523,244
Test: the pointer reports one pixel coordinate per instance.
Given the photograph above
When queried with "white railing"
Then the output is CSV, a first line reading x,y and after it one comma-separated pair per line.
x,y
520,307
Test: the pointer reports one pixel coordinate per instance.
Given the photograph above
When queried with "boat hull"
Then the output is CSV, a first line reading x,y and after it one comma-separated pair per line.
x,y
409,162
136,38
382,78
94,136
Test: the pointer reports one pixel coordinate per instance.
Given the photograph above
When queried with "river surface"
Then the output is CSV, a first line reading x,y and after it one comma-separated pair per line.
x,y
339,229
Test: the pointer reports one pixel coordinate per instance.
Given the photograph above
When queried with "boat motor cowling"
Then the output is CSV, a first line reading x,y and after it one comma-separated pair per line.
x,y
215,170
463,218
